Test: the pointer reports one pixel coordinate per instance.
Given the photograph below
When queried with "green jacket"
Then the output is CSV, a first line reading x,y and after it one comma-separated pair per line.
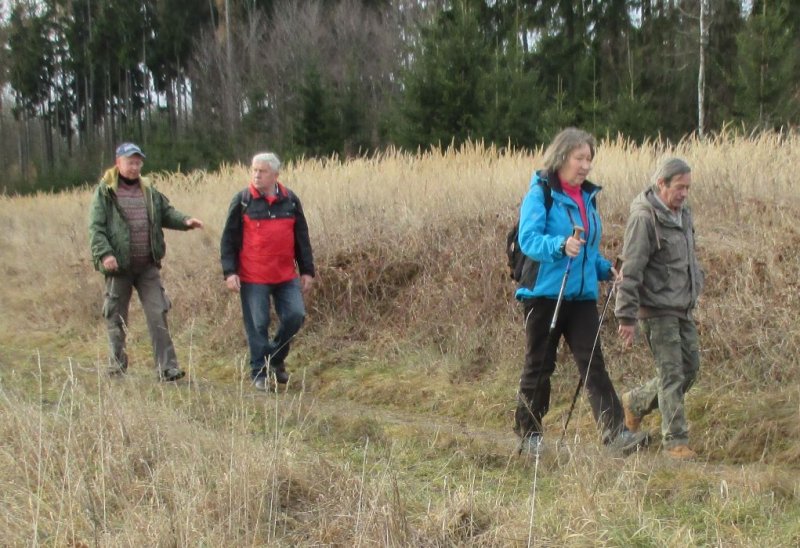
x,y
661,275
108,230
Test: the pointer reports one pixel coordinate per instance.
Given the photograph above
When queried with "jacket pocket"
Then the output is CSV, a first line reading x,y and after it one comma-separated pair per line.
x,y
656,278
674,250
701,280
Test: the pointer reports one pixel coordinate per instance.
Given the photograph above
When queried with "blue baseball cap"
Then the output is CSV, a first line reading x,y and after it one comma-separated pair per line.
x,y
129,149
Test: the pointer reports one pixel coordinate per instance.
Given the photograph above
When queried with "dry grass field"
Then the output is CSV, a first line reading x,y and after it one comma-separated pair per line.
x,y
395,428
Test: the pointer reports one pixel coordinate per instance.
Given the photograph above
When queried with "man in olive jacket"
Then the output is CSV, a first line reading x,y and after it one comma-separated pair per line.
x,y
662,281
126,219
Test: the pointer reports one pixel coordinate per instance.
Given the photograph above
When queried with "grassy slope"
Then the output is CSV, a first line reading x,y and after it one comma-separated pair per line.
x,y
396,425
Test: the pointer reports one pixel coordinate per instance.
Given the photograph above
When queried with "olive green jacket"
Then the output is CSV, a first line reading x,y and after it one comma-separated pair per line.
x,y
661,275
109,233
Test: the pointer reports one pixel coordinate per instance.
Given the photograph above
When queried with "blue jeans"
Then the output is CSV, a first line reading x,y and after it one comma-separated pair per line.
x,y
291,313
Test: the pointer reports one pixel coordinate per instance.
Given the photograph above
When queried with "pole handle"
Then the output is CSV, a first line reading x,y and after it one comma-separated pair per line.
x,y
612,283
577,231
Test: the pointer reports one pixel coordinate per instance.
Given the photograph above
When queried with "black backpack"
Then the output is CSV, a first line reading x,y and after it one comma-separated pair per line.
x,y
516,258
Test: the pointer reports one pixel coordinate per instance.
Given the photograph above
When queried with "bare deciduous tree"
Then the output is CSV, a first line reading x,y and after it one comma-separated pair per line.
x,y
356,49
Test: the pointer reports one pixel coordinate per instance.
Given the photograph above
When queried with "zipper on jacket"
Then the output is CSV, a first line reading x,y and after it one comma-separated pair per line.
x,y
594,222
594,228
572,221
583,272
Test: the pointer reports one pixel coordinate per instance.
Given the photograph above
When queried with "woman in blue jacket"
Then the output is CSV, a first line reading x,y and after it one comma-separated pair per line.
x,y
560,199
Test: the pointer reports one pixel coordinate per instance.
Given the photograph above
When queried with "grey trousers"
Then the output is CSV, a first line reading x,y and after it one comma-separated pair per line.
x,y
676,349
155,304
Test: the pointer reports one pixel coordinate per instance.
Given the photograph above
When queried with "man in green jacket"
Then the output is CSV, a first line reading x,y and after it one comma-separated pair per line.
x,y
662,281
126,219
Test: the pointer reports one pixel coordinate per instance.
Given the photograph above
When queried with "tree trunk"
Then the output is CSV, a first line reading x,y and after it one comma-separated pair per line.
x,y
47,140
111,114
21,150
701,77
762,73
88,90
228,48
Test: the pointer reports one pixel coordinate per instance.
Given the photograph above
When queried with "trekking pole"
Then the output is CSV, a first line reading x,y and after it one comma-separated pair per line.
x,y
582,381
576,233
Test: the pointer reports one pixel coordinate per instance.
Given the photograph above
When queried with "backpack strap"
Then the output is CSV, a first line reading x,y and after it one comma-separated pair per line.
x,y
544,182
244,200
655,226
548,197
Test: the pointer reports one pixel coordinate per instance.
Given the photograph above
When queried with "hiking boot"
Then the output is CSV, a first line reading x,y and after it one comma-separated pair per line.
x,y
632,422
532,445
628,442
681,452
261,383
171,374
279,370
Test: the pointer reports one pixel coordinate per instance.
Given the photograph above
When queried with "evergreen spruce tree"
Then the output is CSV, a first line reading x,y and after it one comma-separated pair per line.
x,y
769,62
316,130
726,23
443,95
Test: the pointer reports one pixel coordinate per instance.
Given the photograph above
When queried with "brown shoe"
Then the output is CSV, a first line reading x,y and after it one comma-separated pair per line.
x,y
632,422
681,452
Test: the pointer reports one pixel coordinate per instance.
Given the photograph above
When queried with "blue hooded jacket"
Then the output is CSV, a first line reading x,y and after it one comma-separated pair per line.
x,y
542,232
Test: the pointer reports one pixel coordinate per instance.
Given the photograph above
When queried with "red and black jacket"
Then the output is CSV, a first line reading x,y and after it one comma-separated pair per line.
x,y
265,238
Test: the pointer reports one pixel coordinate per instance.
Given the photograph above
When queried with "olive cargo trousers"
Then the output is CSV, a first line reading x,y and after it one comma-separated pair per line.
x,y
155,304
676,349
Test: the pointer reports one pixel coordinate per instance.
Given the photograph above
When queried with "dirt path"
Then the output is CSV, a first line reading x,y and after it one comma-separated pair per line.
x,y
294,400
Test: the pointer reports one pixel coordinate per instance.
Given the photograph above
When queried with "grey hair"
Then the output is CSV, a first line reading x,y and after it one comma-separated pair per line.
x,y
563,144
669,168
269,158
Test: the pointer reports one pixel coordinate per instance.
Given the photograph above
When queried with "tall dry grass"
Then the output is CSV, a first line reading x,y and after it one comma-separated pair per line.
x,y
408,242
395,430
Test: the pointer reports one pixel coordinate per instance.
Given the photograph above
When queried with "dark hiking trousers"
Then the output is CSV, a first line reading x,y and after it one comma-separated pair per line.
x,y
577,323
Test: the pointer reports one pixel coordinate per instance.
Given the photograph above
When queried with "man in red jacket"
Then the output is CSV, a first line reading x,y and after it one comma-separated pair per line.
x,y
265,244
